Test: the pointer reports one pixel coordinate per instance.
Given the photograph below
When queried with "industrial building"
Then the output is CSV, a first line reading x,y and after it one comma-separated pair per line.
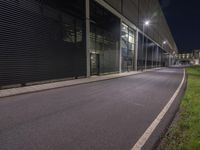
x,y
45,40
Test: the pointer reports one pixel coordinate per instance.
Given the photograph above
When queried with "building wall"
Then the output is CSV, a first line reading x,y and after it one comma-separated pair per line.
x,y
47,39
40,42
192,57
104,40
137,11
133,13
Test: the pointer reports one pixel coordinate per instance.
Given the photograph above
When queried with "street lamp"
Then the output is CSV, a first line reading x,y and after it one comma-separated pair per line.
x,y
146,23
169,55
163,43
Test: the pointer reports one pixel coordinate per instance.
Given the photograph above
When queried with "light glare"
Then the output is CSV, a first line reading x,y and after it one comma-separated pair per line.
x,y
147,22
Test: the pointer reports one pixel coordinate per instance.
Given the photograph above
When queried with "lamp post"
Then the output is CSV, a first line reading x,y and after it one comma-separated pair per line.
x,y
169,56
163,43
146,23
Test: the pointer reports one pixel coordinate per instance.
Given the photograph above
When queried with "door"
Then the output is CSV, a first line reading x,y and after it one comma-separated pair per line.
x,y
94,64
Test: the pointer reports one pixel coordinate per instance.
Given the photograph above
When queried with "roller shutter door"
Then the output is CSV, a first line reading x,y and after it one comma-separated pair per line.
x,y
39,43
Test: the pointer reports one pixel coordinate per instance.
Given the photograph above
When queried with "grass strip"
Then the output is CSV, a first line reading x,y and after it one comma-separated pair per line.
x,y
185,133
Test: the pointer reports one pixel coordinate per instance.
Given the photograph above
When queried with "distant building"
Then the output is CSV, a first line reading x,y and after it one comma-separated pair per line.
x,y
192,58
196,55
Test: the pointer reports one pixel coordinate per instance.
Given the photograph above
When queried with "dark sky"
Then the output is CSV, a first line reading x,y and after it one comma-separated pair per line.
x,y
183,17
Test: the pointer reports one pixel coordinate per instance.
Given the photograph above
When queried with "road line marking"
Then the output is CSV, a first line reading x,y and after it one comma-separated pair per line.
x,y
143,139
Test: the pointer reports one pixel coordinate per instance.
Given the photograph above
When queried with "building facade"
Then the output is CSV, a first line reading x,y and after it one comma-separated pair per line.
x,y
189,58
44,40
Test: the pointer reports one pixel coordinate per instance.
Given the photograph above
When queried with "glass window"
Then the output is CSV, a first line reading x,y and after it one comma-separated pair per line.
x,y
72,30
124,33
79,32
68,33
128,47
104,38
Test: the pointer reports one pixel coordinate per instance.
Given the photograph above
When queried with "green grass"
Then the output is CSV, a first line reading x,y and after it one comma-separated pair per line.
x,y
185,134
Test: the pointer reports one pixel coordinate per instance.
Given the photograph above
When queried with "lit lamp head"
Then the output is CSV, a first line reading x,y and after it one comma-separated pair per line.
x,y
164,42
146,23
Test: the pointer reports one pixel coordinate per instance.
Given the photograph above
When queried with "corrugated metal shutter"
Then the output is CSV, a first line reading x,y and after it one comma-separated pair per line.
x,y
34,45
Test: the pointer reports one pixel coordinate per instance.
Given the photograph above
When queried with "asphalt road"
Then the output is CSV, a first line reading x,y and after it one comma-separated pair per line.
x,y
104,115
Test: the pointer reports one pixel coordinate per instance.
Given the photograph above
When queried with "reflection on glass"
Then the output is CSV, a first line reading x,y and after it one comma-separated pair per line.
x,y
128,47
68,33
104,38
79,33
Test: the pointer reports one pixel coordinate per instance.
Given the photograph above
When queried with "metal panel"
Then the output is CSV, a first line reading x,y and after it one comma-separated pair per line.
x,y
115,4
137,11
130,11
35,44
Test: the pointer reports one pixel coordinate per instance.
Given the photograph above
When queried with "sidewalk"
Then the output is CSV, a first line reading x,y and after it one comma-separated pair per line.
x,y
60,84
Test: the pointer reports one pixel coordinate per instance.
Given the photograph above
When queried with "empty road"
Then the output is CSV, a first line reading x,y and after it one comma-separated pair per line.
x,y
104,115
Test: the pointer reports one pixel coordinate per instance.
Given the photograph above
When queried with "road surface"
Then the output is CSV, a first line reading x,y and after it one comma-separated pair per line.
x,y
104,115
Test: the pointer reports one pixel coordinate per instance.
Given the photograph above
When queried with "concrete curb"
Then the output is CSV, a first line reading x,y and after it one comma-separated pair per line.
x,y
155,140
173,120
60,84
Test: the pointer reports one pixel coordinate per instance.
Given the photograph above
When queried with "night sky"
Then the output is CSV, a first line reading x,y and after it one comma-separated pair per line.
x,y
183,17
